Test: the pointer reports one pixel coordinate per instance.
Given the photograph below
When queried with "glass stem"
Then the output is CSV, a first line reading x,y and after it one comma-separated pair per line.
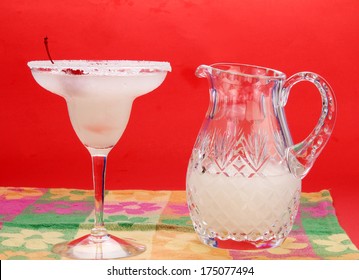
x,y
99,173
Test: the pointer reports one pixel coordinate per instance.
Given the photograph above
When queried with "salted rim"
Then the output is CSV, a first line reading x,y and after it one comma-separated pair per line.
x,y
100,67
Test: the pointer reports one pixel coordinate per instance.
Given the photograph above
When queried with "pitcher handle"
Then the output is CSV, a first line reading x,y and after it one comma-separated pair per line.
x,y
301,156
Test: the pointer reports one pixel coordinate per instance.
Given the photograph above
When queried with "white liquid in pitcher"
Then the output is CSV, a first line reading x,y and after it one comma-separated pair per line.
x,y
230,207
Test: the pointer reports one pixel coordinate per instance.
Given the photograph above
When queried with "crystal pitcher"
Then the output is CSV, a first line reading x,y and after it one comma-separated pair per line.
x,y
244,175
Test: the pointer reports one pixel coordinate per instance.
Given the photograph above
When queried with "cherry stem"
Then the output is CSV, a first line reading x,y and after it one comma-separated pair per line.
x,y
47,49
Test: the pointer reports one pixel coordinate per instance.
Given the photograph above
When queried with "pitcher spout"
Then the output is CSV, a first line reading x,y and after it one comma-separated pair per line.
x,y
203,71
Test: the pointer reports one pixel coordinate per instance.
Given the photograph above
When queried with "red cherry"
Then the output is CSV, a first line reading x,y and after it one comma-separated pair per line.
x,y
73,71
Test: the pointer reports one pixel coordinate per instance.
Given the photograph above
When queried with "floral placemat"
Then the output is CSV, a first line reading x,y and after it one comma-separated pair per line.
x,y
32,220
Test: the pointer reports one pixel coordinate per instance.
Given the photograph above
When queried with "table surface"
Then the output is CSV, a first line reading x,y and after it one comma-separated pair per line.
x,y
34,219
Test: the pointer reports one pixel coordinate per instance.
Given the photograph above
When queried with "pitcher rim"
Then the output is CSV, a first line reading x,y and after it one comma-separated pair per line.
x,y
276,73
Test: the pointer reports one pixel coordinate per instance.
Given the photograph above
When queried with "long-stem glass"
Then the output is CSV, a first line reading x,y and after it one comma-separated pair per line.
x,y
99,96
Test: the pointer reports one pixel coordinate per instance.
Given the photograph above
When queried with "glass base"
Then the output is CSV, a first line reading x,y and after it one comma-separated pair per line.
x,y
90,247
230,244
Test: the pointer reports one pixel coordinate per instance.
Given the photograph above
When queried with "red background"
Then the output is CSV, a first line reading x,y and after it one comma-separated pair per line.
x,y
38,147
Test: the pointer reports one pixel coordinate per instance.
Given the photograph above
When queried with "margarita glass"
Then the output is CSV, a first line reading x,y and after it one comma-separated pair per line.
x,y
99,97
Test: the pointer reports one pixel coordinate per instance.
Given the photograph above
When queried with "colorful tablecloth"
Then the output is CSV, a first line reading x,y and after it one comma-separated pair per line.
x,y
33,219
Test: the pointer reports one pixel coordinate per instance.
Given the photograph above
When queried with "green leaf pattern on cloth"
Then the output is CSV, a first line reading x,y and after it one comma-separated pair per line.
x,y
33,220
